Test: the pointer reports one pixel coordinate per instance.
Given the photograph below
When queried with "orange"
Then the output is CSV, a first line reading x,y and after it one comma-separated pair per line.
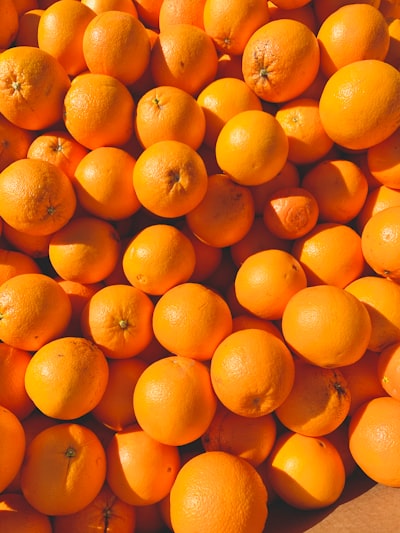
x,y
181,12
326,326
141,470
191,319
340,188
169,113
373,439
148,518
36,196
224,215
221,100
35,246
231,24
388,370
249,438
217,491
281,60
266,281
379,241
115,409
9,24
26,74
13,395
252,372
306,472
60,33
64,469
184,56
174,401
308,141
110,41
18,515
291,4
157,258
13,262
99,6
290,212
170,178
34,309
303,12
12,446
339,438
98,111
318,402
381,298
208,258
106,511
390,9
25,5
252,147
229,66
341,43
103,183
343,101
66,377
84,250
392,56
117,318
362,380
330,254
384,162
246,321
148,11
14,142
324,8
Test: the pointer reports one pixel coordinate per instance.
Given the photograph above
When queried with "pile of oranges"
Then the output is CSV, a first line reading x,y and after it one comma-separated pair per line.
x,y
199,260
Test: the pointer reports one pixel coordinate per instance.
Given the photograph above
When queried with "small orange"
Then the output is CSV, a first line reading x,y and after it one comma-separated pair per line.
x,y
174,401
229,66
191,319
14,142
252,147
216,490
13,262
392,56
181,11
252,372
36,246
118,319
384,162
99,6
170,178
208,258
388,370
340,439
302,11
27,34
324,8
18,515
148,11
64,469
306,472
9,24
246,321
12,446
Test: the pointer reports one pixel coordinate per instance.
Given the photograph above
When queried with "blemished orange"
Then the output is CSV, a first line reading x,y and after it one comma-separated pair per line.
x,y
327,326
115,409
191,319
157,258
15,142
231,24
340,188
243,436
13,262
34,309
318,402
374,434
12,446
343,101
110,41
306,472
330,254
64,469
252,147
291,212
308,141
9,24
99,6
35,246
67,377
381,298
281,60
380,241
169,113
26,74
341,43
140,469
388,370
148,11
383,160
13,395
118,319
36,196
221,100
170,178
85,250
105,511
266,281
60,33
18,515
224,215
266,373
184,56
181,12
99,110
216,490
103,183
